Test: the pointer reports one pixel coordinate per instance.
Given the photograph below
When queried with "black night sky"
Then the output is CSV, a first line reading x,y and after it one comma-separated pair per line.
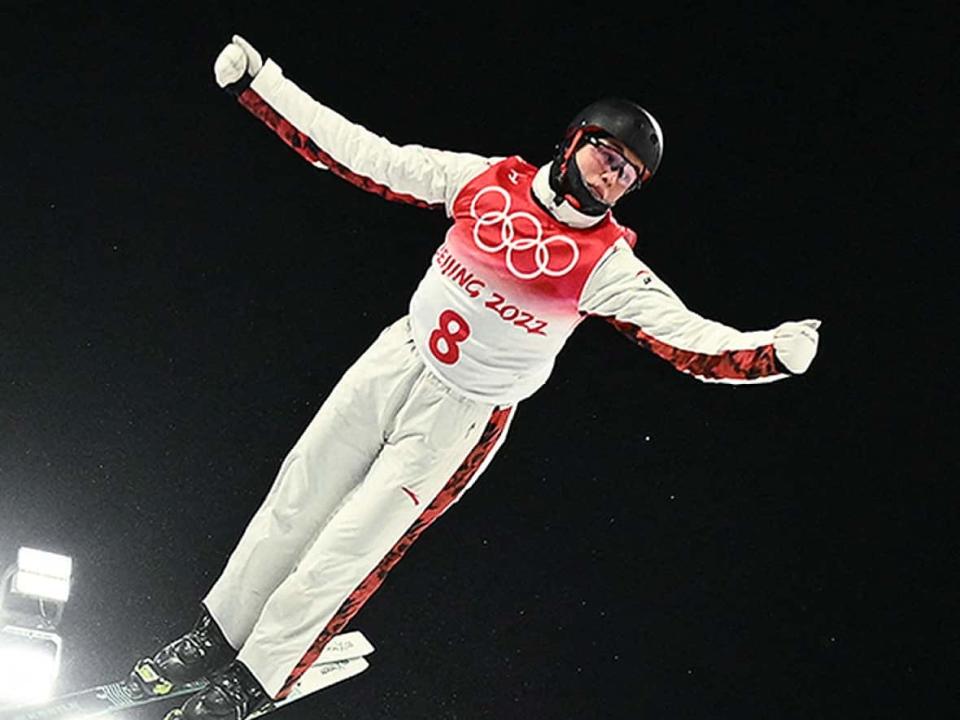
x,y
179,292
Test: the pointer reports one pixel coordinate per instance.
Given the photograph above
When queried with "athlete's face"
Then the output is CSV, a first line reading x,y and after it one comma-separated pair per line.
x,y
608,168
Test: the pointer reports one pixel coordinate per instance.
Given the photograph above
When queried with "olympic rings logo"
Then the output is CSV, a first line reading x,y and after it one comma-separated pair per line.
x,y
509,238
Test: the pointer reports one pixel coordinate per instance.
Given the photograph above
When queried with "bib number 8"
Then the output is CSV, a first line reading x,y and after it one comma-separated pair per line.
x,y
445,340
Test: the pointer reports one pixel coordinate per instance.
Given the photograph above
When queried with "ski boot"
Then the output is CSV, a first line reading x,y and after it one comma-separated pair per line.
x,y
185,660
233,694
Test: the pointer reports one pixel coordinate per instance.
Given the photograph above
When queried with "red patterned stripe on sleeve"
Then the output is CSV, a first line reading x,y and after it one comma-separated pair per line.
x,y
311,152
730,365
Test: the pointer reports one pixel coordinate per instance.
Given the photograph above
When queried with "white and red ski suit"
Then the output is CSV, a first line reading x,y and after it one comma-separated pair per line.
x,y
417,418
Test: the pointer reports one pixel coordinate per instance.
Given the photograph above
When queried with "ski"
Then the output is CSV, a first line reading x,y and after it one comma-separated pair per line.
x,y
319,677
342,658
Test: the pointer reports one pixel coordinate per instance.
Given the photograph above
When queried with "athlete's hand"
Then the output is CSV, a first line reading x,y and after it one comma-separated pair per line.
x,y
796,344
237,61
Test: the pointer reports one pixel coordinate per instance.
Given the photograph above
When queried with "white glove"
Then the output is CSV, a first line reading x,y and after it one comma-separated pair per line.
x,y
235,61
796,344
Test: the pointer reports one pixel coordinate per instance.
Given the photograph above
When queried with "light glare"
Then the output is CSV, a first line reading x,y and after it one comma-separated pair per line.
x,y
43,574
29,665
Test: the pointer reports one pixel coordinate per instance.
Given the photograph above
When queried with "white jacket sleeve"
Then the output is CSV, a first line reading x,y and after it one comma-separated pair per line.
x,y
411,173
624,291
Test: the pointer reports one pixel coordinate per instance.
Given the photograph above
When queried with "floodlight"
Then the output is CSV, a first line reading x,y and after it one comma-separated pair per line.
x,y
42,575
29,664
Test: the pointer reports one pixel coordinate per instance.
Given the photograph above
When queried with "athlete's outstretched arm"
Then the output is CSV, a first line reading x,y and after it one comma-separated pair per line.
x,y
624,291
410,173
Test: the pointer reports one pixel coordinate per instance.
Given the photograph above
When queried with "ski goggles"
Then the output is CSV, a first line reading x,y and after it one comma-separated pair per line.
x,y
627,174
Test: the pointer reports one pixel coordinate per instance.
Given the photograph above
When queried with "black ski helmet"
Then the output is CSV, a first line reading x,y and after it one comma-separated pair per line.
x,y
620,119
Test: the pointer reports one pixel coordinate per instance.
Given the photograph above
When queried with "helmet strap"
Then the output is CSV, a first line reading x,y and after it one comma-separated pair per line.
x,y
566,181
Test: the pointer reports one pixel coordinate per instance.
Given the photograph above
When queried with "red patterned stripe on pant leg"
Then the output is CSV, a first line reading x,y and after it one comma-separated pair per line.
x,y
311,152
450,492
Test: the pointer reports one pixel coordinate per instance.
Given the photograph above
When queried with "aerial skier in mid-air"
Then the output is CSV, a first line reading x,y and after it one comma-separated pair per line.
x,y
531,252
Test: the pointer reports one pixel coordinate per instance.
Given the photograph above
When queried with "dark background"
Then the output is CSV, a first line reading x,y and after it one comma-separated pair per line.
x,y
179,291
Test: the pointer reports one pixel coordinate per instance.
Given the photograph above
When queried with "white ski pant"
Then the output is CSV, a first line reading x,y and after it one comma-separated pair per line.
x,y
389,451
